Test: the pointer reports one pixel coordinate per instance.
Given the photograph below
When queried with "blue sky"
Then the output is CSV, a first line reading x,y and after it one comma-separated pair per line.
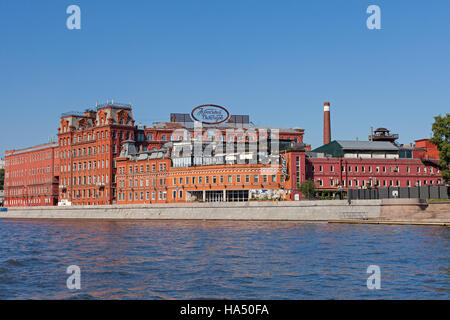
x,y
277,61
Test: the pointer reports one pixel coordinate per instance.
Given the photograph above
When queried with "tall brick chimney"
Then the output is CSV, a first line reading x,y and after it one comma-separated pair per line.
x,y
326,123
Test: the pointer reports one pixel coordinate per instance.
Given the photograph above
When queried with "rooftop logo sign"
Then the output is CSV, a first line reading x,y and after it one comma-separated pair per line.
x,y
210,114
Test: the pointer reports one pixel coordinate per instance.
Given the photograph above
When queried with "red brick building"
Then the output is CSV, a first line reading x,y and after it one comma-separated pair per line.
x,y
426,150
151,177
359,164
88,143
102,157
30,178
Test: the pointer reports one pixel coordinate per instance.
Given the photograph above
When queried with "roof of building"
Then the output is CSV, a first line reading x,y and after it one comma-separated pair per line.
x,y
337,148
367,145
30,149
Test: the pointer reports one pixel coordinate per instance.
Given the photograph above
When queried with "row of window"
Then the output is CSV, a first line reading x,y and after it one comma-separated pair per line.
x,y
33,157
22,202
86,137
162,195
29,191
140,169
89,151
24,172
86,194
377,183
86,180
18,183
198,180
377,169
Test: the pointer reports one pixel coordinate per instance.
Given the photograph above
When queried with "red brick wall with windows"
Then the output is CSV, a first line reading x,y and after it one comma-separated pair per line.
x,y
356,173
30,178
137,182
88,145
430,150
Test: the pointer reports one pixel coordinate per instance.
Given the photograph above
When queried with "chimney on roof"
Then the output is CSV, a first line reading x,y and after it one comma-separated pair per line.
x,y
326,123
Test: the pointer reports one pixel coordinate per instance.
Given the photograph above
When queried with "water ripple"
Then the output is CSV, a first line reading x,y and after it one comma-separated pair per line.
x,y
221,260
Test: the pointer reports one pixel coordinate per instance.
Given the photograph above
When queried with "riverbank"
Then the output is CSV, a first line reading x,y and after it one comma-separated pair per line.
x,y
322,210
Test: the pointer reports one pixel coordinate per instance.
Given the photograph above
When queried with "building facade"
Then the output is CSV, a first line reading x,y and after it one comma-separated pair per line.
x,y
152,177
361,164
88,143
30,176
102,158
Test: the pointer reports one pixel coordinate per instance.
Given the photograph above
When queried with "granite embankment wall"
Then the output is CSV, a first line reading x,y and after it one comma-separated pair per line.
x,y
414,209
295,211
298,210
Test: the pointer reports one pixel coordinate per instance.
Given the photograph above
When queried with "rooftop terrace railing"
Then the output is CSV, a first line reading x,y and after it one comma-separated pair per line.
x,y
98,107
114,104
72,113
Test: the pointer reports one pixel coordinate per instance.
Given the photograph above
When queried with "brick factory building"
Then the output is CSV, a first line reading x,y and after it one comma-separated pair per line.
x,y
102,157
31,176
356,164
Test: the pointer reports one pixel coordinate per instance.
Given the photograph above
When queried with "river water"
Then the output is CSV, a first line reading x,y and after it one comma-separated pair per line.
x,y
221,260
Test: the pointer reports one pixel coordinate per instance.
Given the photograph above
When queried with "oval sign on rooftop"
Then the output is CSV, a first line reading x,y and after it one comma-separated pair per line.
x,y
210,114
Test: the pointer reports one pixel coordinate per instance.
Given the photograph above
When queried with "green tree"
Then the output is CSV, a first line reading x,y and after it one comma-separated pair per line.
x,y
441,138
308,188
2,178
